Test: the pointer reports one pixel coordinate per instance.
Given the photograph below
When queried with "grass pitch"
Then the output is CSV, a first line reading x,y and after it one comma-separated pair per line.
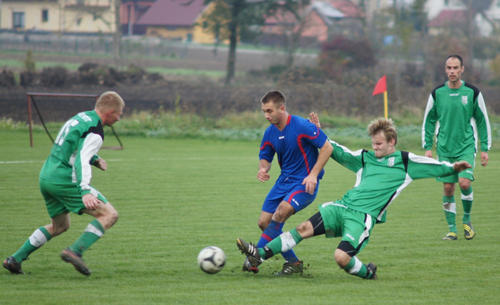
x,y
177,196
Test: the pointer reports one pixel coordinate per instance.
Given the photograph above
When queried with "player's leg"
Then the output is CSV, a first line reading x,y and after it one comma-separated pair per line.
x,y
60,222
450,210
465,179
449,204
285,242
467,197
357,227
105,215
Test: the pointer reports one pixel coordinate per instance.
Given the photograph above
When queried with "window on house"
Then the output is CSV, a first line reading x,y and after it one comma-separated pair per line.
x,y
45,15
18,20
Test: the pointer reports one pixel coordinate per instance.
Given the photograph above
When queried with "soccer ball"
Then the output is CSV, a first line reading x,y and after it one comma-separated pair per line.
x,y
211,259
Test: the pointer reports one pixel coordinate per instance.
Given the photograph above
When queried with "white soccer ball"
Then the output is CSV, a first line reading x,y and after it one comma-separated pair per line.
x,y
211,259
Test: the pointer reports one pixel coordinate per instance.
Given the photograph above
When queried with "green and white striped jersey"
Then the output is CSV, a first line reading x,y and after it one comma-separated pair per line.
x,y
457,116
380,180
74,150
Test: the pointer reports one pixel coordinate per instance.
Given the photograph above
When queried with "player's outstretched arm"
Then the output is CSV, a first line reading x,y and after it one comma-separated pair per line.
x,y
461,165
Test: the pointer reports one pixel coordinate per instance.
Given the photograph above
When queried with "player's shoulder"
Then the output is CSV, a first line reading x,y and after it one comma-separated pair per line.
x,y
473,88
439,87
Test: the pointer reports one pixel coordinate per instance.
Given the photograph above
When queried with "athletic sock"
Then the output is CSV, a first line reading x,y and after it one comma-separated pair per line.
x,y
92,233
450,212
283,243
467,198
37,239
357,268
273,230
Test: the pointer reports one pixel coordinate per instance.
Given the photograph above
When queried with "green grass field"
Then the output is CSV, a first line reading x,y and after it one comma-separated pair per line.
x,y
177,196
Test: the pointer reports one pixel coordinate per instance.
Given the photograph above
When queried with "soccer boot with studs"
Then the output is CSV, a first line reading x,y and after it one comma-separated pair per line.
x,y
469,232
250,250
450,236
12,265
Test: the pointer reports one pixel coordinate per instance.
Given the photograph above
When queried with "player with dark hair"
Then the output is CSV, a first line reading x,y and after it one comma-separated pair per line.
x,y
65,184
296,142
381,175
457,113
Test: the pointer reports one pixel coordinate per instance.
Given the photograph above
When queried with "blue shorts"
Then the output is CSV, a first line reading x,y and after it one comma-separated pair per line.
x,y
290,190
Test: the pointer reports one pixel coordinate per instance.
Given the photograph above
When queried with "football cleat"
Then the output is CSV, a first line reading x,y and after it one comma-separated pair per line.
x,y
372,269
12,265
469,232
76,260
250,251
291,268
450,236
248,267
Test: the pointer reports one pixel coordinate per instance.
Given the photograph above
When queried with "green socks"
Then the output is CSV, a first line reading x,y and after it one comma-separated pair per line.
x,y
35,241
467,198
357,268
450,212
92,233
283,243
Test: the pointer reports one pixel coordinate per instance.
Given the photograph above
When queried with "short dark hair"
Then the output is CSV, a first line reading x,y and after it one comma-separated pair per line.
x,y
275,96
457,57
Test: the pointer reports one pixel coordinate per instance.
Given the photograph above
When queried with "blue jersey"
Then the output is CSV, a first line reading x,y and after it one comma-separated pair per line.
x,y
296,146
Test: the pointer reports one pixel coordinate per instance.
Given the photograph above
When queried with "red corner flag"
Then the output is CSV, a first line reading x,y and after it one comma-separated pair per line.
x,y
381,86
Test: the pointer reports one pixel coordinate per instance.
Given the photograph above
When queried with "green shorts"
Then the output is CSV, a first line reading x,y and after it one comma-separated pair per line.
x,y
354,226
467,174
64,198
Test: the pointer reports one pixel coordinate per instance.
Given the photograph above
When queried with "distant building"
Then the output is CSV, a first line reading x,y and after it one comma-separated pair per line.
x,y
130,12
176,19
63,16
320,21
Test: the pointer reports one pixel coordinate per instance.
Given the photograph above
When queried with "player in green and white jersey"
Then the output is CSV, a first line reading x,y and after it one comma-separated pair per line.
x,y
65,184
457,114
381,175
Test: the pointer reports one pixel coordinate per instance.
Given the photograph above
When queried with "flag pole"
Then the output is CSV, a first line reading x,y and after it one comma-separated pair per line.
x,y
385,104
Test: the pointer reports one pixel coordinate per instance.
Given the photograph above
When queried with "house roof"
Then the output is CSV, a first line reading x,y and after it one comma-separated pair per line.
x,y
348,8
173,13
447,17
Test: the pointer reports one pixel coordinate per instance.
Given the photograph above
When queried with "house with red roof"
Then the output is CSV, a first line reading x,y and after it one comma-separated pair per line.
x,y
176,19
321,20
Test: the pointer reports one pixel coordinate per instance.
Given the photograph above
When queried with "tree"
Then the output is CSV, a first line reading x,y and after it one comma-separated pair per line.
x,y
241,14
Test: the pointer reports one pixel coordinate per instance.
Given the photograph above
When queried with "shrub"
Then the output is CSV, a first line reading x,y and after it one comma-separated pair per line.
x,y
54,76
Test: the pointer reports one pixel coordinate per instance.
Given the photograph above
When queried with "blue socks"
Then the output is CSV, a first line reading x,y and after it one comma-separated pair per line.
x,y
273,230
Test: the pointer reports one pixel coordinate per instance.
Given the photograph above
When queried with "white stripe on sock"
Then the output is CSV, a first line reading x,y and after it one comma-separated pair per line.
x,y
450,207
357,266
37,239
92,229
287,242
469,197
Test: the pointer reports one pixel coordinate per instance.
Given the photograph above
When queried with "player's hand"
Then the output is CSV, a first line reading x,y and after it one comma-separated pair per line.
x,y
91,202
263,175
310,182
101,164
313,117
461,165
428,153
484,158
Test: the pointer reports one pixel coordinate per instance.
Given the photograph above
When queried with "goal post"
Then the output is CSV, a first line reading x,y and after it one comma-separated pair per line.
x,y
33,105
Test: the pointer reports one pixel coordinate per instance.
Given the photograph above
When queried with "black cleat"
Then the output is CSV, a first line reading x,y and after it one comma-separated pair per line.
x,y
291,268
12,265
250,251
372,271
248,267
76,260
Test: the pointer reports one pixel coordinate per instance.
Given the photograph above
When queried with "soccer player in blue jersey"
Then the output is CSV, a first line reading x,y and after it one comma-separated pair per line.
x,y
302,150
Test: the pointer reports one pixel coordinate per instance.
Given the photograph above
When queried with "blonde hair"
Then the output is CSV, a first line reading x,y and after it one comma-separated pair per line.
x,y
385,125
109,100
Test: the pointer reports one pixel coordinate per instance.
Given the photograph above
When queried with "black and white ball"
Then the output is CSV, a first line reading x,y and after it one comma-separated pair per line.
x,y
211,259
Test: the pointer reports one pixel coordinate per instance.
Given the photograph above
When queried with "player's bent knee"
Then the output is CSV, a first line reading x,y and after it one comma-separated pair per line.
x,y
342,258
